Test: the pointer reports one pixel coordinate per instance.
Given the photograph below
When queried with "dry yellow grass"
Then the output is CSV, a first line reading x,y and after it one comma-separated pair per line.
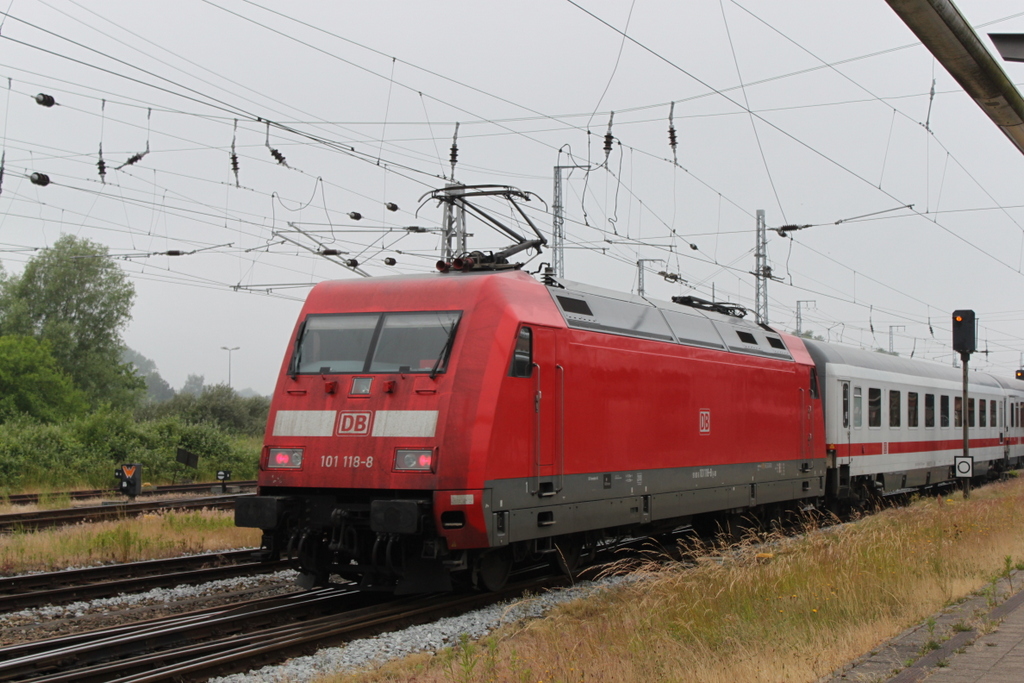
x,y
803,608
142,538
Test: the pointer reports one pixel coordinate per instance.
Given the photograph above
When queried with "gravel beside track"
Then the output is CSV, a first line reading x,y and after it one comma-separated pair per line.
x,y
221,638
431,637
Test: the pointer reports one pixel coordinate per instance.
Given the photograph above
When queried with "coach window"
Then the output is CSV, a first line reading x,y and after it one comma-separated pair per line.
x,y
970,412
911,408
944,411
992,414
874,407
894,408
982,422
858,407
958,411
929,410
522,357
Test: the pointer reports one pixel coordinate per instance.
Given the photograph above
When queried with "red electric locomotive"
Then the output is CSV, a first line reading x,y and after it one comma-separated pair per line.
x,y
456,423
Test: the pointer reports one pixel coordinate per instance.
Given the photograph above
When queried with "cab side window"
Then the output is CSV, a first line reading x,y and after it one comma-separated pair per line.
x,y
522,356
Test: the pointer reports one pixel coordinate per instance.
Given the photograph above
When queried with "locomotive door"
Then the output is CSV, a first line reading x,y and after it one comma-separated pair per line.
x,y
548,411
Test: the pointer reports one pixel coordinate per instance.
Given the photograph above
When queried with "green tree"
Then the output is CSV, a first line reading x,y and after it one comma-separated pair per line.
x,y
807,334
193,385
74,296
32,384
218,405
157,388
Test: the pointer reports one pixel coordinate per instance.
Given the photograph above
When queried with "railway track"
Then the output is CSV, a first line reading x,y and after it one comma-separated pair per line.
x,y
33,498
224,640
41,519
55,588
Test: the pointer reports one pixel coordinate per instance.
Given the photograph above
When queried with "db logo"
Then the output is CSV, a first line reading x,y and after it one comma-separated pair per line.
x,y
705,422
354,424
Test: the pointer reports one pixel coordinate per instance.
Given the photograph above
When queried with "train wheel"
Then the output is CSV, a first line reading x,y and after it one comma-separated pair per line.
x,y
314,560
494,568
569,553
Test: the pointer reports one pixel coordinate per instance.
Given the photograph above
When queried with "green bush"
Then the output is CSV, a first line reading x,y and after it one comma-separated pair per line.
x,y
50,455
87,450
219,405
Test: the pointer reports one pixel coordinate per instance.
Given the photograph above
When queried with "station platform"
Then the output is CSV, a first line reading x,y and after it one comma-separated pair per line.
x,y
979,640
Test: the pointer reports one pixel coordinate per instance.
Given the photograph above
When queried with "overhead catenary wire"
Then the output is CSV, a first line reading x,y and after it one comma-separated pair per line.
x,y
620,175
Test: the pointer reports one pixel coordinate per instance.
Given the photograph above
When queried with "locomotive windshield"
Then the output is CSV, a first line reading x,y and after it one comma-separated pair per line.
x,y
375,342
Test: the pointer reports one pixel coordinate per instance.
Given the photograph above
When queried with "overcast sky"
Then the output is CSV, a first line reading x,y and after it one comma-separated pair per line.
x,y
819,113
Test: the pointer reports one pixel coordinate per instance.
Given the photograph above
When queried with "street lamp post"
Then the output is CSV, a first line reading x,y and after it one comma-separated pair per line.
x,y
229,350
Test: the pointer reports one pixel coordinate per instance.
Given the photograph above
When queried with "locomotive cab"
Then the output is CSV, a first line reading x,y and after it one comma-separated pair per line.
x,y
366,470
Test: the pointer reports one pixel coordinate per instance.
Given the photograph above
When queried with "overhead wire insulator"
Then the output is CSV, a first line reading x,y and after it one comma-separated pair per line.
x,y
352,263
174,252
454,154
45,100
355,215
672,132
40,179
134,159
608,138
3,163
391,206
234,156
389,261
278,156
273,152
332,252
101,166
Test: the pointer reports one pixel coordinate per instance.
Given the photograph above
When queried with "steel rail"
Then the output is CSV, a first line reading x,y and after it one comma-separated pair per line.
x,y
50,518
210,487
55,588
65,656
232,639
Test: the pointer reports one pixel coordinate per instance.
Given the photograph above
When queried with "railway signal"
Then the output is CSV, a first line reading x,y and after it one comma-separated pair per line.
x,y
965,341
130,478
964,337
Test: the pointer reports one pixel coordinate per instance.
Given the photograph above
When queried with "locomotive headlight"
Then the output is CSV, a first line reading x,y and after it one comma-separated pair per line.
x,y
285,458
409,460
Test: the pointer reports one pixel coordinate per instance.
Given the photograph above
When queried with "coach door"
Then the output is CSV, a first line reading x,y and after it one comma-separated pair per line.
x,y
548,412
845,407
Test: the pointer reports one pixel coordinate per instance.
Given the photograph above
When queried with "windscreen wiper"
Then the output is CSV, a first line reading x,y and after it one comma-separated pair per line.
x,y
444,349
293,368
